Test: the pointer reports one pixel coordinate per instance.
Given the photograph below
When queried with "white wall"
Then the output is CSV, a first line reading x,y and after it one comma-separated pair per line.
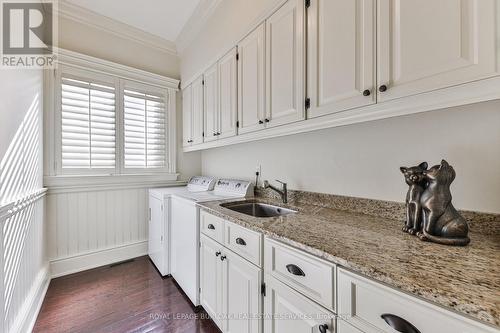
x,y
23,263
363,160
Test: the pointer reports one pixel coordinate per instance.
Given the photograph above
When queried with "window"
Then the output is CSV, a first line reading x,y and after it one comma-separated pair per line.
x,y
144,130
106,124
88,125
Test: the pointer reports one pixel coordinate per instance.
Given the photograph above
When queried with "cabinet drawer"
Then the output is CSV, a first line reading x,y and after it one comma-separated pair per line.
x,y
288,311
362,303
212,226
244,242
313,277
343,327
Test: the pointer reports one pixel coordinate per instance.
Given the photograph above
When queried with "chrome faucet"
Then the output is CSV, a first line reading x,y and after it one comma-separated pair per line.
x,y
283,192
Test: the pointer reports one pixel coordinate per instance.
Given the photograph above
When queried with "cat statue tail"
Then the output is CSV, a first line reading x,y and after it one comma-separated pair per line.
x,y
446,241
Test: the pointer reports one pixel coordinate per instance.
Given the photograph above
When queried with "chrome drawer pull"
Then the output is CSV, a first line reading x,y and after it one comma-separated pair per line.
x,y
211,226
323,328
295,270
399,324
240,241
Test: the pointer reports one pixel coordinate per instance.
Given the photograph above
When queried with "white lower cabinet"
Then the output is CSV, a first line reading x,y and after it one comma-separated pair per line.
x,y
230,288
241,294
287,311
343,327
211,279
375,308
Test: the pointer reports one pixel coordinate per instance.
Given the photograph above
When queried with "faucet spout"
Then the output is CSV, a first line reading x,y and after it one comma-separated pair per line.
x,y
283,192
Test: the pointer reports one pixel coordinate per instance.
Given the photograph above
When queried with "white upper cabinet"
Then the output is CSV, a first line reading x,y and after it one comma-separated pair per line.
x,y
197,111
187,124
425,45
341,55
211,105
228,93
251,81
285,65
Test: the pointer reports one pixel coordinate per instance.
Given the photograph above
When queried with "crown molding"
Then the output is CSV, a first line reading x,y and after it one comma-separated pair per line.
x,y
82,15
195,23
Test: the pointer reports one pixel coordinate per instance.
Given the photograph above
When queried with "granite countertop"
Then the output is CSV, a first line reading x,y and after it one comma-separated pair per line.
x,y
464,279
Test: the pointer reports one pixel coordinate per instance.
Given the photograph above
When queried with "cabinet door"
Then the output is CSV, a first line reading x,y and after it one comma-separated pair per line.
x,y
341,55
426,45
211,278
197,110
227,95
286,311
211,106
251,80
241,296
155,232
187,124
285,64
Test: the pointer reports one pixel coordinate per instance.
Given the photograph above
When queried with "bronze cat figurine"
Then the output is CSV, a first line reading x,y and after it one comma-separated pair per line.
x,y
414,177
441,222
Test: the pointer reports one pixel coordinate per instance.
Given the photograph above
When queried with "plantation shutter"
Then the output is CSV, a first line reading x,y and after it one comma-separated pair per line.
x,y
88,125
145,130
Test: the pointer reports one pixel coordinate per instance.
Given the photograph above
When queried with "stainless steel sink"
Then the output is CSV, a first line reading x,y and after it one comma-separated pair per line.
x,y
257,209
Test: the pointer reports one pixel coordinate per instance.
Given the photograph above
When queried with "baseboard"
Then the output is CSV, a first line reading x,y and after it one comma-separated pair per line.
x,y
26,319
82,262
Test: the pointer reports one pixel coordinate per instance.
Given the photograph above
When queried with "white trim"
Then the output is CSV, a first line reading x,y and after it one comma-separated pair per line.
x,y
79,14
97,65
473,92
11,208
33,303
85,261
231,44
84,183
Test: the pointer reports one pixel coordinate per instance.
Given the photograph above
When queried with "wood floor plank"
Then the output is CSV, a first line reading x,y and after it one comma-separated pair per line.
x,y
131,297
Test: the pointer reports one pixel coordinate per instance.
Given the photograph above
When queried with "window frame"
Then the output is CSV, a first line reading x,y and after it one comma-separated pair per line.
x,y
77,66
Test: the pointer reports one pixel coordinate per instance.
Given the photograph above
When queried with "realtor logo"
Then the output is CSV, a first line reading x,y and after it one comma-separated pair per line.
x,y
28,32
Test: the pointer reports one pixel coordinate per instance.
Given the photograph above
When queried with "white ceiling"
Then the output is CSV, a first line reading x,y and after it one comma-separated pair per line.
x,y
163,18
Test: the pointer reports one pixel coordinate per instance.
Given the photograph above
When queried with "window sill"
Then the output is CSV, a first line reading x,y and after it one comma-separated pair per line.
x,y
82,183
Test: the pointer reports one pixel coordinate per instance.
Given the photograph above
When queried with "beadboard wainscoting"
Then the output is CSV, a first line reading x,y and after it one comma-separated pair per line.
x,y
25,274
89,228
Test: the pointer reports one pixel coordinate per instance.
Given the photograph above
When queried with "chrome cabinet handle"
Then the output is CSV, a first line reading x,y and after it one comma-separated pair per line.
x,y
240,241
218,253
223,258
211,226
367,92
295,270
382,88
399,324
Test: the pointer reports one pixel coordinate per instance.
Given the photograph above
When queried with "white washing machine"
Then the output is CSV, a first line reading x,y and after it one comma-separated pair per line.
x,y
185,231
159,240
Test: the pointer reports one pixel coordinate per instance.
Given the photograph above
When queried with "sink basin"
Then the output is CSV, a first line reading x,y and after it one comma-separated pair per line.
x,y
258,209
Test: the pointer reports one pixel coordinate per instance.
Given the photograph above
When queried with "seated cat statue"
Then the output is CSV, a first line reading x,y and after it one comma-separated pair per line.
x,y
441,222
414,177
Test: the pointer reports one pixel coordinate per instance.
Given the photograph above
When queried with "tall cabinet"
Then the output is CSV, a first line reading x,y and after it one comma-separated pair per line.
x,y
228,95
341,55
285,65
251,80
192,113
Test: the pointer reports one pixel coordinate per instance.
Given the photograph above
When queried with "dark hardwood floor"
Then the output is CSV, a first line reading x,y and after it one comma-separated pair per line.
x,y
130,297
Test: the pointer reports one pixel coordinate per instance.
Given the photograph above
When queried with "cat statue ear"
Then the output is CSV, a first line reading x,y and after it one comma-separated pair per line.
x,y
403,169
424,165
444,163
